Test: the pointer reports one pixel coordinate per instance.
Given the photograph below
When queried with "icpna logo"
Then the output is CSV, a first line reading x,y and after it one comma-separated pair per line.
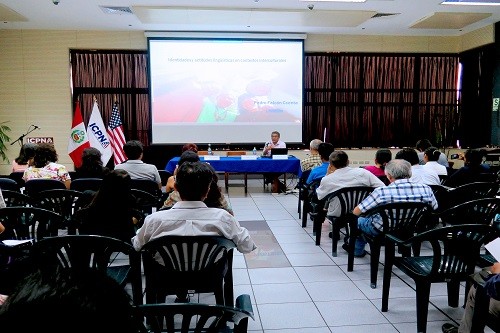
x,y
105,145
78,136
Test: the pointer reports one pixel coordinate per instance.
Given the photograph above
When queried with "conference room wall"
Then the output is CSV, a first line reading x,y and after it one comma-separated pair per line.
x,y
35,71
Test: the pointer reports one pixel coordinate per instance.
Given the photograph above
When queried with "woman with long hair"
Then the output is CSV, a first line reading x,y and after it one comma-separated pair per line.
x,y
26,154
91,164
45,166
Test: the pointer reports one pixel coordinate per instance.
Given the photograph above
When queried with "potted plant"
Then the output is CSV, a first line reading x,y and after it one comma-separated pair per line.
x,y
4,138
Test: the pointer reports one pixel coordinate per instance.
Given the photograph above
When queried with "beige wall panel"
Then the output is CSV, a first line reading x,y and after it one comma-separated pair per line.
x,y
412,44
48,86
138,41
11,85
48,50
108,40
11,48
318,43
357,43
478,37
447,44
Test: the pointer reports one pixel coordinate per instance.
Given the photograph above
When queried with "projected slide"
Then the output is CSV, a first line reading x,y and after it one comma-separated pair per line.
x,y
225,91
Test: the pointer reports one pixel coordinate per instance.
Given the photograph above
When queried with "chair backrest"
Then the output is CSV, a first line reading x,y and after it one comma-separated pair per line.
x,y
442,178
456,249
84,184
199,263
16,199
479,211
29,223
403,219
164,175
348,197
302,183
9,184
235,153
34,186
145,201
83,252
194,317
62,201
471,191
384,179
146,185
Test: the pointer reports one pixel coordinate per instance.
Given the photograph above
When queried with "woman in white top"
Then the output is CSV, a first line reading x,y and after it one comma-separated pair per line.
x,y
431,155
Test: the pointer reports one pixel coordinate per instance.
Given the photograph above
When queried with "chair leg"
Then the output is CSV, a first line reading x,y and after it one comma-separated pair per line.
x,y
318,223
353,231
305,213
246,182
423,290
226,180
336,225
386,284
374,260
453,293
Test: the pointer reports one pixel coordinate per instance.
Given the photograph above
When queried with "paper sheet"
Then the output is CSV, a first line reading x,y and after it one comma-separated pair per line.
x,y
494,248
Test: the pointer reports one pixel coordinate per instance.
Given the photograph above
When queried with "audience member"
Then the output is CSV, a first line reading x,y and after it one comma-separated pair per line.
x,y
135,167
418,173
275,142
472,171
61,301
186,156
382,157
110,210
422,145
91,164
45,166
340,175
2,205
190,146
431,156
25,158
492,289
400,189
214,199
314,159
324,150
191,216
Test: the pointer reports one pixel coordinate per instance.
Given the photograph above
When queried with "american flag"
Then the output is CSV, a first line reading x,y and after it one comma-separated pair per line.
x,y
116,136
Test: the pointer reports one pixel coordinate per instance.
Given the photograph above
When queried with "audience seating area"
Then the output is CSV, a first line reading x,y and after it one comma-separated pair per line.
x,y
413,241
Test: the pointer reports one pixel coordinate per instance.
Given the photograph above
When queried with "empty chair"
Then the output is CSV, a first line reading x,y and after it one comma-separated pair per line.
x,y
86,184
16,199
479,211
302,190
81,252
34,186
9,184
310,203
62,201
469,192
149,186
158,318
455,250
190,263
226,174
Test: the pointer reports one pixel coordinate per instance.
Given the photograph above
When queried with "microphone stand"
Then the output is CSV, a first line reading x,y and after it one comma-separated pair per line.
x,y
21,138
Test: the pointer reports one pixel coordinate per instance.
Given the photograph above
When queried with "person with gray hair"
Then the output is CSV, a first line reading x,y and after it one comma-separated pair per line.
x,y
400,189
314,159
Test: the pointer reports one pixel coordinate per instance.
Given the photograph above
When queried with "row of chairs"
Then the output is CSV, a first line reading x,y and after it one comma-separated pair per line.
x,y
407,225
194,264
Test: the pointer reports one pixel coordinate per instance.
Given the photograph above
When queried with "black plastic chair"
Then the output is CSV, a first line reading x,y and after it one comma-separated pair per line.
x,y
34,186
479,211
301,185
81,252
471,191
190,263
164,175
62,201
144,201
85,184
16,199
455,250
18,177
348,198
149,186
9,184
401,219
311,202
194,317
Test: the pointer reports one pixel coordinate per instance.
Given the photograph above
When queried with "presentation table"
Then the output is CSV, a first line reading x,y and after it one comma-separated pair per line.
x,y
260,165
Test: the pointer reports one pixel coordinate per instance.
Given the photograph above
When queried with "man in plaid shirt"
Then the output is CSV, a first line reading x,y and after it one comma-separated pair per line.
x,y
400,189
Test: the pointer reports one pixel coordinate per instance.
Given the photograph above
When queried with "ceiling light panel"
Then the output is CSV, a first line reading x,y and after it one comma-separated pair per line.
x,y
472,2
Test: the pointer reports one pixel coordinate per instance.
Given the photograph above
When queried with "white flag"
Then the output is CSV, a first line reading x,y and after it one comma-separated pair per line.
x,y
97,134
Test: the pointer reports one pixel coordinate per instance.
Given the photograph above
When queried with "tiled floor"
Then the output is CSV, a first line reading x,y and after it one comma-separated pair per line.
x,y
316,294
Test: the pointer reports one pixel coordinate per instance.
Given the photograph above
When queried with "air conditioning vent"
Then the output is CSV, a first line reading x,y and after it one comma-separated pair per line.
x,y
384,14
116,10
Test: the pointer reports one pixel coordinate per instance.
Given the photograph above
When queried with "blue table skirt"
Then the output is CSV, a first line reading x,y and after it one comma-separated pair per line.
x,y
260,165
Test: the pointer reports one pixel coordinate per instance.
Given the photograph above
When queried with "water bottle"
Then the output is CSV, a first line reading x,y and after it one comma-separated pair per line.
x,y
254,151
209,149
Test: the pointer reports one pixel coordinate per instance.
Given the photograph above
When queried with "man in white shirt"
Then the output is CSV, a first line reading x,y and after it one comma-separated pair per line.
x,y
274,143
419,174
134,165
191,217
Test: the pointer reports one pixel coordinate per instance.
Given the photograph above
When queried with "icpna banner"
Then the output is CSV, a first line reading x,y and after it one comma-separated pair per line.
x,y
97,134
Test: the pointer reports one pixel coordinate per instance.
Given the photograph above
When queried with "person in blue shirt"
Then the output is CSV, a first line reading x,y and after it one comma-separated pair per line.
x,y
324,150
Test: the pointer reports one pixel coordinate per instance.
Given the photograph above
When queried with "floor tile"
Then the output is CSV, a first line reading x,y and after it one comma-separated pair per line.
x,y
352,312
273,275
280,293
290,315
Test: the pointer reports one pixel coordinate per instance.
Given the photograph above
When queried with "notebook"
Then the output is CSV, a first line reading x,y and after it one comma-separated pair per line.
x,y
279,151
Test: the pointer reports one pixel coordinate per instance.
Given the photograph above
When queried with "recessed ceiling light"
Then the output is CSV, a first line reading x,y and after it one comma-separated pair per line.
x,y
472,2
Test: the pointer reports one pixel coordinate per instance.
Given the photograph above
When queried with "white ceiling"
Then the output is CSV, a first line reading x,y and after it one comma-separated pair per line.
x,y
415,17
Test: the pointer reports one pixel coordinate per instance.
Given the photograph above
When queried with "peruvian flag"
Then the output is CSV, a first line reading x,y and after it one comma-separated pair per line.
x,y
78,139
